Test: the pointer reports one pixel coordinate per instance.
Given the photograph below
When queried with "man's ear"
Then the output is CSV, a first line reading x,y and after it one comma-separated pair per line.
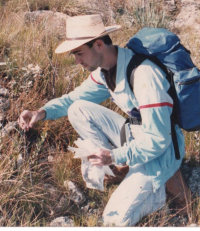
x,y
99,44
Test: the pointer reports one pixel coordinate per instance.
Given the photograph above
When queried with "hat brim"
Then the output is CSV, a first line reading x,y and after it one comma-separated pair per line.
x,y
69,45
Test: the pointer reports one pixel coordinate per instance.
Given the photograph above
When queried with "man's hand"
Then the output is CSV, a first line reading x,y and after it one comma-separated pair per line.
x,y
100,157
28,118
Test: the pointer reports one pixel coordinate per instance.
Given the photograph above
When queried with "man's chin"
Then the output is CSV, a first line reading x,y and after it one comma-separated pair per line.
x,y
90,68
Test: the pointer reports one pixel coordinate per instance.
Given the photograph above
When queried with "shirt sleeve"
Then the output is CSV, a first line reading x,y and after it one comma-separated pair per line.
x,y
150,89
92,89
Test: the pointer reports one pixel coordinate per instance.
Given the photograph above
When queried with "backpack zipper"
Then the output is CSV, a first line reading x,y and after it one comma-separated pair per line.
x,y
189,82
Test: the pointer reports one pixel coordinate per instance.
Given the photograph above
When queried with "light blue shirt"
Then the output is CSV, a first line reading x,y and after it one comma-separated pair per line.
x,y
152,145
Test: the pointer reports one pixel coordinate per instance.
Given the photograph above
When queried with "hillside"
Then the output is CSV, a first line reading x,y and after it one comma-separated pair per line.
x,y
40,181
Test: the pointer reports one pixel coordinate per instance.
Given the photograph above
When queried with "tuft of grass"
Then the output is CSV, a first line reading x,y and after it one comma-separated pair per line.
x,y
149,14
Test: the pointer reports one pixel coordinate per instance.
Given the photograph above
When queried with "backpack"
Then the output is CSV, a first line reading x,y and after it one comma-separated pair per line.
x,y
164,49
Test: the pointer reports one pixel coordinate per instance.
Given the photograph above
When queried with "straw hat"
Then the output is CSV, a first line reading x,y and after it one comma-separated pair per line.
x,y
82,29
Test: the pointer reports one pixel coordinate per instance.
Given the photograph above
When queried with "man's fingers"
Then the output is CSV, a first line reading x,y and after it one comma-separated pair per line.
x,y
93,157
21,123
33,120
96,162
24,120
21,120
28,118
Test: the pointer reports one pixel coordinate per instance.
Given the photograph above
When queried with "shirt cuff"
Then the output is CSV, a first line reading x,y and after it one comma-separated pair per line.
x,y
120,154
49,112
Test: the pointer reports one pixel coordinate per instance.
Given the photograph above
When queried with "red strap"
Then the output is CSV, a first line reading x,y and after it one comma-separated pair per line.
x,y
95,80
157,105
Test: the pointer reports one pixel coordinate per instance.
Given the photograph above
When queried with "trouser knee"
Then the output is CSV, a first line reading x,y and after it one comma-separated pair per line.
x,y
75,109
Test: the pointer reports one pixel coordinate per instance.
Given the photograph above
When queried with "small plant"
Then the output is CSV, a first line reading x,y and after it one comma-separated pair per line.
x,y
149,14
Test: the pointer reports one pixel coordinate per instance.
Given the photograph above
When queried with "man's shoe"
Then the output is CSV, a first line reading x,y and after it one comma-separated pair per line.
x,y
119,172
178,193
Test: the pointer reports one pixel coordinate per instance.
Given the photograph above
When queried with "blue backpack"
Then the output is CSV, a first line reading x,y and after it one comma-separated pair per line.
x,y
164,48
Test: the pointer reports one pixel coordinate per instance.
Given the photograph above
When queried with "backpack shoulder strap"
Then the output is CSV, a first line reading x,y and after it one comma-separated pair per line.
x,y
135,61
138,59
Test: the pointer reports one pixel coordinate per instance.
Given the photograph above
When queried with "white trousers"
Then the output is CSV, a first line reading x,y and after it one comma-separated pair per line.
x,y
134,198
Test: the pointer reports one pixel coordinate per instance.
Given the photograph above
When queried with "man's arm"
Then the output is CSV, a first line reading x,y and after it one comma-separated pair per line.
x,y
28,118
155,108
92,89
150,89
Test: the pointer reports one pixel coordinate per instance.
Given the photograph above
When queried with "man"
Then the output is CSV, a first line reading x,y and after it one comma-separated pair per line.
x,y
148,149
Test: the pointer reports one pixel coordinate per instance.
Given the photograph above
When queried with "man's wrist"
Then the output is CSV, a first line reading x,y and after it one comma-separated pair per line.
x,y
42,114
112,157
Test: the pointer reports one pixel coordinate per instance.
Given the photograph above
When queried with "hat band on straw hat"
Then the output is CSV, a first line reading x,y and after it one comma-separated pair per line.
x,y
79,38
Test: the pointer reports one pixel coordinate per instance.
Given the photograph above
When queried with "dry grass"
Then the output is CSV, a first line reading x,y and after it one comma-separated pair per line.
x,y
24,198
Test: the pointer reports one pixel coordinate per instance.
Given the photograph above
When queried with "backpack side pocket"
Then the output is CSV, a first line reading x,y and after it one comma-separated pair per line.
x,y
187,84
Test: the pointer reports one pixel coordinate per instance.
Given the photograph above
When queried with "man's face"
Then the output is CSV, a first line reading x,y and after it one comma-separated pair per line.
x,y
88,57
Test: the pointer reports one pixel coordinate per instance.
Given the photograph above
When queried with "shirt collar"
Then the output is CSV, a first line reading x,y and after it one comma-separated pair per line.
x,y
112,70
124,56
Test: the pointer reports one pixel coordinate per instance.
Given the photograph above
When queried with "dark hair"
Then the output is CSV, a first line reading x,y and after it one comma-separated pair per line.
x,y
106,39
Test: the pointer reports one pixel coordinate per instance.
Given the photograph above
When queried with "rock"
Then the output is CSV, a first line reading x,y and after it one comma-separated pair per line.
x,y
4,104
22,87
31,71
85,208
30,84
52,23
93,211
183,221
172,7
197,138
4,92
19,160
178,221
52,191
50,158
74,192
12,83
2,219
192,177
63,205
134,3
34,69
193,225
189,15
3,64
10,126
102,7
58,203
62,222
2,117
